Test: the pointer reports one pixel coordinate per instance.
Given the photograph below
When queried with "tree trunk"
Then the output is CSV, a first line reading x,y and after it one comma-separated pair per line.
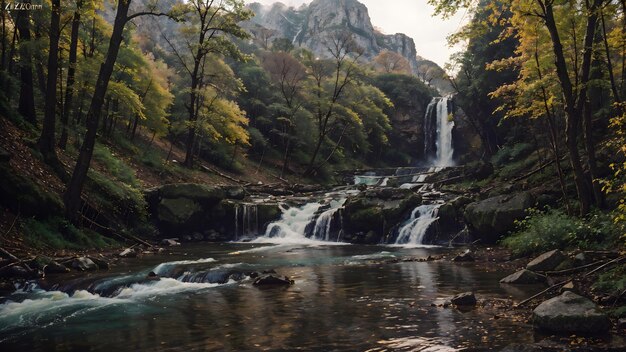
x,y
72,197
191,134
26,105
4,36
71,72
47,142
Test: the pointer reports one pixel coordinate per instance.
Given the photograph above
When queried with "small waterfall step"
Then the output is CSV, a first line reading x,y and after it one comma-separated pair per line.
x,y
413,231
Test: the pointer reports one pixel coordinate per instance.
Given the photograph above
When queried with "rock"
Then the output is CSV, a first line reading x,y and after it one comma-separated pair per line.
x,y
570,286
466,256
84,264
153,276
128,253
580,259
570,313
464,299
17,272
272,280
102,264
6,288
523,277
547,261
491,218
621,323
186,238
197,237
49,266
168,242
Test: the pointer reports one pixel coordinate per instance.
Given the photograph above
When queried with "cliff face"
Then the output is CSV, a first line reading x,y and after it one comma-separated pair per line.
x,y
311,26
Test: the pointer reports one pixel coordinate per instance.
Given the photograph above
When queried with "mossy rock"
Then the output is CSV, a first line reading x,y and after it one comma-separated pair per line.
x,y
493,217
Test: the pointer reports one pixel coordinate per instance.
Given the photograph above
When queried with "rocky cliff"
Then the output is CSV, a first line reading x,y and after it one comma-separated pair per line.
x,y
310,27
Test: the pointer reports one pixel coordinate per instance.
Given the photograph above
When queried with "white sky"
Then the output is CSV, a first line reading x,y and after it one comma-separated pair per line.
x,y
411,17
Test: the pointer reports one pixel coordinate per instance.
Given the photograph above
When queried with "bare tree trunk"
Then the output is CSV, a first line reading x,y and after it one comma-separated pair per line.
x,y
26,106
47,142
72,196
71,72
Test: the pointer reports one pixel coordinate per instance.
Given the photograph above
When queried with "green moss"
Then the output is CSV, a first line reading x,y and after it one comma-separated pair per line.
x,y
57,233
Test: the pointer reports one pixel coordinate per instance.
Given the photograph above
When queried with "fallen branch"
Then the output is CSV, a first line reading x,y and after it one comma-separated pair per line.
x,y
113,232
210,169
614,261
573,270
541,293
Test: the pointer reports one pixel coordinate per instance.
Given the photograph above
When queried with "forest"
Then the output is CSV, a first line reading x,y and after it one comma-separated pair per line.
x,y
223,139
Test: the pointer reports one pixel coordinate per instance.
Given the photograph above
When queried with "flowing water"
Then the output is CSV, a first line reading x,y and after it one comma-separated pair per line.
x,y
412,232
342,299
438,127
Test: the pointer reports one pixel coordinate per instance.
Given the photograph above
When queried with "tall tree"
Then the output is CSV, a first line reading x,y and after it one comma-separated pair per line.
x,y
26,105
72,196
47,142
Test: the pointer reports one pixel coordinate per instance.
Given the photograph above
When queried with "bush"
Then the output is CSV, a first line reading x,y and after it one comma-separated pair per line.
x,y
115,166
511,153
551,229
612,282
57,233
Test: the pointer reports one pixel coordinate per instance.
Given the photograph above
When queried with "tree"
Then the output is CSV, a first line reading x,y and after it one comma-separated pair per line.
x,y
72,196
47,142
289,75
330,78
26,105
391,62
209,24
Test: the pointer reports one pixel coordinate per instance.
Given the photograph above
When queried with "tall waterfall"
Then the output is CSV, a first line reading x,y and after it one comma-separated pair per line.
x,y
438,126
413,230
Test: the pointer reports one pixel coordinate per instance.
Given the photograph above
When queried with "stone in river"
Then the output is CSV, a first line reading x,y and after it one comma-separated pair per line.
x,y
523,277
464,299
547,261
570,313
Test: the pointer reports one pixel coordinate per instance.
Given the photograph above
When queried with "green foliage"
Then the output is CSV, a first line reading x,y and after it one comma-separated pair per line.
x,y
512,153
57,233
126,202
541,231
613,282
114,165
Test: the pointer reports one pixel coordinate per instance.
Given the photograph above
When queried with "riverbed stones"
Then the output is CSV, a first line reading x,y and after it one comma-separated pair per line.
x,y
168,242
466,256
268,280
491,218
465,299
84,264
523,277
570,313
547,261
127,253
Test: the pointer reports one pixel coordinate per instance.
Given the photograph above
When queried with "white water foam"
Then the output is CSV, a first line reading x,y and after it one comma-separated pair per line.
x,y
412,232
162,268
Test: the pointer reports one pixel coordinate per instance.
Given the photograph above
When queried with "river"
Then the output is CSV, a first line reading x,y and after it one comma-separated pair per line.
x,y
344,298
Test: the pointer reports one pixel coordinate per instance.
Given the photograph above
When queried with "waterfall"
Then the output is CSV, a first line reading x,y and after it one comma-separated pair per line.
x,y
246,220
322,228
413,231
438,126
303,224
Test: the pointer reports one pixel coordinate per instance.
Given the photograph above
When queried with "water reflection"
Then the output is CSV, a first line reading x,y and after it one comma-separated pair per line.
x,y
363,305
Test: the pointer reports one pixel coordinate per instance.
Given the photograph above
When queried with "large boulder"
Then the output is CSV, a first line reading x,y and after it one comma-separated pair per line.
x,y
570,313
272,280
493,217
370,217
547,261
523,277
187,208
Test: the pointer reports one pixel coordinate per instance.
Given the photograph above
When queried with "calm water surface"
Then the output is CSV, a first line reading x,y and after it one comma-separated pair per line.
x,y
342,300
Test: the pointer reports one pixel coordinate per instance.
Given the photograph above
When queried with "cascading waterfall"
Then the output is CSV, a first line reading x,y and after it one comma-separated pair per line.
x,y
412,232
323,223
246,220
438,126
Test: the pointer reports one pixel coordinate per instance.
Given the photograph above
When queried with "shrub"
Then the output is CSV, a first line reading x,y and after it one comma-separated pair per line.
x,y
543,231
510,153
115,166
612,282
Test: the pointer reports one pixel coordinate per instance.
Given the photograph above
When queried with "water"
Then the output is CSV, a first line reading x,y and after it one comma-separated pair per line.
x,y
438,126
343,300
412,232
322,227
246,220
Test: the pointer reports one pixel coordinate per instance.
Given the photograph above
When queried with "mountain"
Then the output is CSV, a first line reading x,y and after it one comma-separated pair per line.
x,y
309,26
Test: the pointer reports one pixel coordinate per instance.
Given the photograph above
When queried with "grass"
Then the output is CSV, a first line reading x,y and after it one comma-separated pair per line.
x,y
114,165
57,233
546,230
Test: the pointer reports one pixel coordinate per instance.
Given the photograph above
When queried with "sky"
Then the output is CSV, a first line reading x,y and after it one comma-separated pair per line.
x,y
413,18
